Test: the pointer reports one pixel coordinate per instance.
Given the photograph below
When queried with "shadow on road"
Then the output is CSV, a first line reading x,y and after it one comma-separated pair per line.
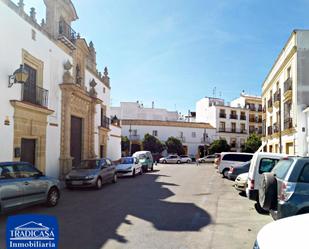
x,y
88,219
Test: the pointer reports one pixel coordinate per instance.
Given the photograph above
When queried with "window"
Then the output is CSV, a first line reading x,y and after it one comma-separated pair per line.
x,y
193,134
7,172
26,171
267,164
222,126
282,168
242,127
237,157
304,176
134,132
155,133
181,134
33,34
233,127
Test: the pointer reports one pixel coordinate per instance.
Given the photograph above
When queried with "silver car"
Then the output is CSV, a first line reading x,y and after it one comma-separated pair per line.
x,y
170,159
185,159
92,173
21,184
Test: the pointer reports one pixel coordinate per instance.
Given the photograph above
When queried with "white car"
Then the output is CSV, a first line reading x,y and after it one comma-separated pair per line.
x,y
170,159
241,182
285,233
129,166
262,162
207,159
232,159
185,159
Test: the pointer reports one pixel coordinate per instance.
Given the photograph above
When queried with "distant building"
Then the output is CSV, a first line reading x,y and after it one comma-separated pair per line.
x,y
233,122
136,110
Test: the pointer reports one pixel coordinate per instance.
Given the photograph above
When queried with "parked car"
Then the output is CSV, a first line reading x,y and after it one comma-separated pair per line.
x,y
285,191
185,159
91,173
129,166
261,162
208,159
170,159
232,159
237,170
284,234
146,160
241,182
21,184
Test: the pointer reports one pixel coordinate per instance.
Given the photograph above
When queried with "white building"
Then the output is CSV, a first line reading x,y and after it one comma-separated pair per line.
x,y
61,114
232,123
285,98
136,110
194,136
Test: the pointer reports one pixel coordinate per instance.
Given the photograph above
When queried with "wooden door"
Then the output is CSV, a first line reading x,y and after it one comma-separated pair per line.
x,y
28,150
76,140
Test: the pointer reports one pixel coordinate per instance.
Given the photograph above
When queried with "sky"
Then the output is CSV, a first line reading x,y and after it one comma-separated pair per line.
x,y
175,52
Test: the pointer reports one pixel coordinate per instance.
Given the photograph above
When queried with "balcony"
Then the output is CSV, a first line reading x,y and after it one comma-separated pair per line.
x,y
67,35
288,87
233,116
270,105
269,130
242,117
105,121
134,137
259,120
260,131
264,109
252,119
222,115
288,123
260,109
233,130
275,127
35,95
252,108
277,98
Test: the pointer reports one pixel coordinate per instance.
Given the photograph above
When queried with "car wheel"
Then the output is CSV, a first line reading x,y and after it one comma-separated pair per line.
x,y
98,184
151,167
178,162
114,178
268,191
203,161
53,197
141,171
164,161
224,173
133,174
188,161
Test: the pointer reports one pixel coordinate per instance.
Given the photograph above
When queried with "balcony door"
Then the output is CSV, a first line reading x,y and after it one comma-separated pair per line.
x,y
29,88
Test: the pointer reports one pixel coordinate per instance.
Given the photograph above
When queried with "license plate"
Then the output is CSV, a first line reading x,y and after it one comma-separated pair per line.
x,y
77,182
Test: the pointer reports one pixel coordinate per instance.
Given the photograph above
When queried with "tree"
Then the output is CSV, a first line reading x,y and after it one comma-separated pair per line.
x,y
218,146
125,143
174,146
252,144
152,144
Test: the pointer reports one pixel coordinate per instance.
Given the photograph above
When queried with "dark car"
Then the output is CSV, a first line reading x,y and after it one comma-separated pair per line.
x,y
92,173
237,170
285,190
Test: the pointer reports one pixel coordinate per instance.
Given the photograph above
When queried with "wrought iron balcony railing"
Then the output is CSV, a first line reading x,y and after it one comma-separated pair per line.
x,y
34,94
67,31
288,123
233,116
288,85
222,115
269,130
270,103
243,117
105,122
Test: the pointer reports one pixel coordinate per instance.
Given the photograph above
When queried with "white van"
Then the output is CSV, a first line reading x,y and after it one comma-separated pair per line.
x,y
261,162
232,159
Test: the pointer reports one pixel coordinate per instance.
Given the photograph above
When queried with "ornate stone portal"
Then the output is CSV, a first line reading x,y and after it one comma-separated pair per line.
x,y
76,101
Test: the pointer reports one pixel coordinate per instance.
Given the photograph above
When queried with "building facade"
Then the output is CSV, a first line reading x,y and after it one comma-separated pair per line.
x,y
136,110
285,98
233,122
60,115
195,137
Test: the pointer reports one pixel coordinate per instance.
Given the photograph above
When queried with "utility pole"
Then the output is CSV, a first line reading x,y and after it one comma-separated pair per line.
x,y
280,137
130,138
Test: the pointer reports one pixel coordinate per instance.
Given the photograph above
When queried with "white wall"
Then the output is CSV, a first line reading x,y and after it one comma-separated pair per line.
x,y
114,143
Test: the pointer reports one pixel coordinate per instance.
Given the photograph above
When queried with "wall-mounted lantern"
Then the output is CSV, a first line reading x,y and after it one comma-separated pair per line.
x,y
19,76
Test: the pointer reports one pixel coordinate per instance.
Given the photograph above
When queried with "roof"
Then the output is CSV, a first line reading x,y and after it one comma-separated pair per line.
x,y
166,123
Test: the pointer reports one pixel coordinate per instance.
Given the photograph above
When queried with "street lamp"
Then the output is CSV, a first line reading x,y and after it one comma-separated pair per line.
x,y
19,76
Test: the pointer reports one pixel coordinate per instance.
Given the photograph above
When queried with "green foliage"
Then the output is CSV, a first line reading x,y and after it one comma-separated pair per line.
x,y
152,144
219,146
252,144
174,146
125,143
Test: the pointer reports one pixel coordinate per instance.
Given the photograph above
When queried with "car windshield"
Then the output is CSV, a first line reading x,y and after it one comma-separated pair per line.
x,y
88,164
127,160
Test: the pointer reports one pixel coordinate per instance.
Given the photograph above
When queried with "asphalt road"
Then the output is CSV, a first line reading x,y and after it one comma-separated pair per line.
x,y
174,207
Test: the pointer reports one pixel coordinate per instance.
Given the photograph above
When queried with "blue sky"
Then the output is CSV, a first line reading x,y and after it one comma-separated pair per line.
x,y
175,52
